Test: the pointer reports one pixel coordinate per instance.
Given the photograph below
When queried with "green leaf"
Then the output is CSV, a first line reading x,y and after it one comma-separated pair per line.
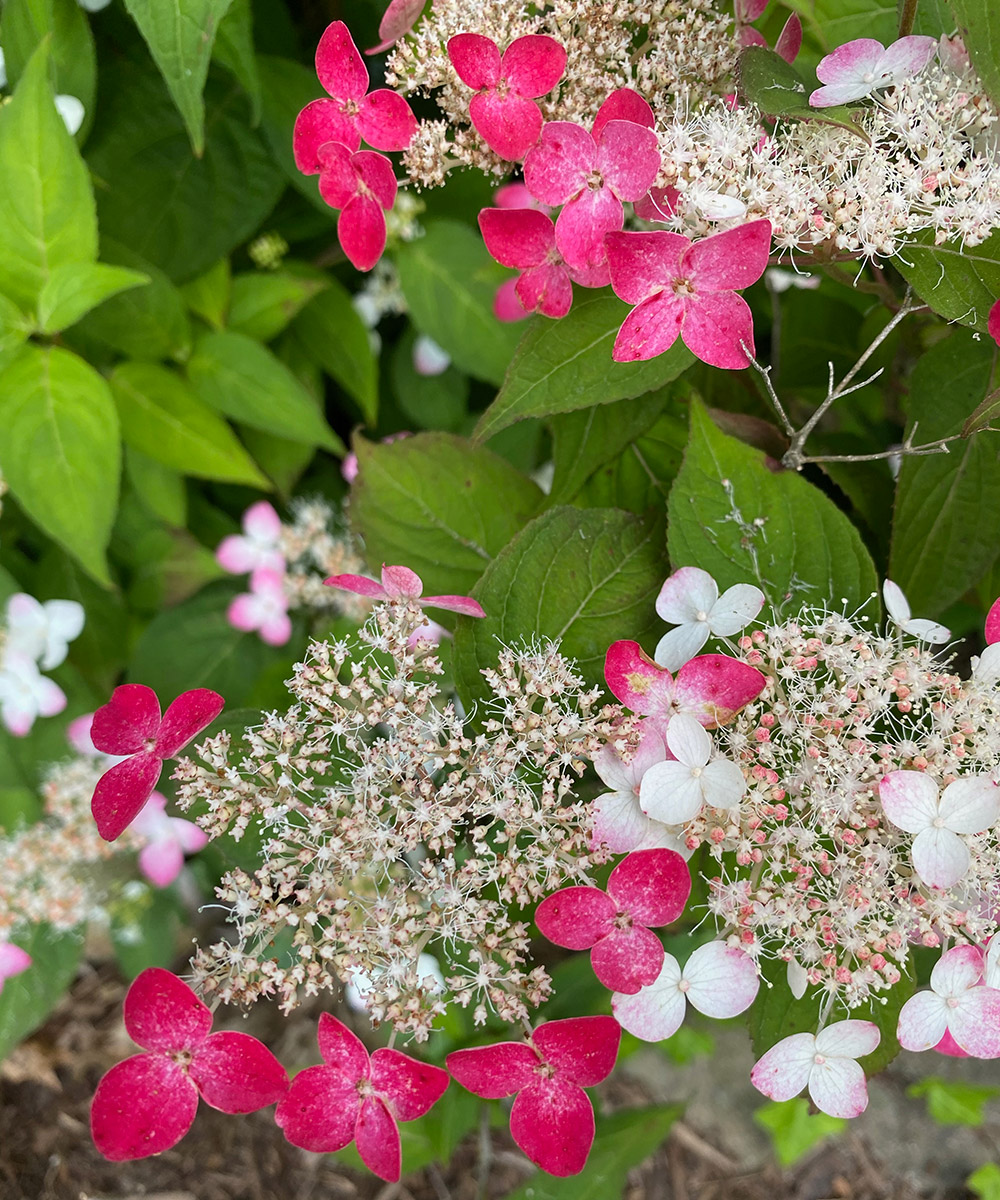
x,y
163,418
234,49
73,289
742,518
14,330
180,35
46,205
440,505
263,303
622,1141
581,576
985,416
433,1137
979,26
953,1103
60,449
161,490
563,366
240,378
73,58
332,334
208,295
959,282
941,546
149,322
641,476
834,22
985,1182
144,924
428,401
794,1130
449,281
181,213
765,80
286,88
28,998
584,440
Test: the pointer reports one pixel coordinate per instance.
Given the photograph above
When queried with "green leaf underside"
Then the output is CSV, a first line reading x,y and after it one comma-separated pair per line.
x,y
440,505
585,577
563,366
741,517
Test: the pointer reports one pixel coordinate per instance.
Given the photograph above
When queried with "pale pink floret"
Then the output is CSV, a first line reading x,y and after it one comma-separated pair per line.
x,y
647,889
789,41
993,624
718,980
168,839
690,600
259,545
617,821
591,173
958,1004
13,960
362,184
42,631
130,726
712,687
382,118
147,1103
858,68
940,820
400,583
264,609
507,304
688,289
26,694
397,21
825,1063
504,112
357,1097
675,791
552,1119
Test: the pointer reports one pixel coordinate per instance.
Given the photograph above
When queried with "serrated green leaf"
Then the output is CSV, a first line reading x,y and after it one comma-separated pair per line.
x,y
985,416
449,281
242,379
960,282
332,334
742,518
563,366
581,576
28,998
794,1129
234,49
979,27
440,505
162,418
180,35
72,55
60,451
641,476
953,1102
941,543
774,86
47,216
73,289
264,303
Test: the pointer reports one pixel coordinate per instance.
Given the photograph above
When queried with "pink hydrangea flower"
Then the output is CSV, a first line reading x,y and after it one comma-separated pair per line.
x,y
130,725
591,173
13,960
382,118
516,195
362,184
147,1103
676,790
617,821
993,322
719,981
958,1005
858,68
168,839
258,546
825,1063
507,304
26,694
686,289
992,629
711,687
357,1097
552,1119
647,889
940,820
504,112
397,21
690,600
400,583
264,609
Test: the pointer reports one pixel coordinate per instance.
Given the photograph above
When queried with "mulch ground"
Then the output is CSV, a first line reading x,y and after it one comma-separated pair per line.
x,y
46,1152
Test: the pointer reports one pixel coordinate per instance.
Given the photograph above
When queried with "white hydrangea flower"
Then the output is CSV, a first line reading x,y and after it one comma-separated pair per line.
x,y
898,608
690,600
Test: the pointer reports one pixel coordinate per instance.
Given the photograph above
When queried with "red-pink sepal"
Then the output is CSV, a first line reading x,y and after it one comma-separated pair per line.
x,y
162,1013
397,21
142,1106
129,720
993,322
121,793
993,624
400,583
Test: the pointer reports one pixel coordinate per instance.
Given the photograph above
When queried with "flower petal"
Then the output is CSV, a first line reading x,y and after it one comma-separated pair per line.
x,y
939,857
723,980
533,64
583,1049
728,261
735,608
507,305
377,1137
838,1088
162,1013
339,65
686,594
386,120
341,1048
923,1021
476,60
718,329
928,631
361,585
907,56
494,1071
970,805
841,93
651,885
723,784
13,960
714,687
650,329
789,41
558,167
509,125
553,1123
851,62
656,1012
848,1039
625,104
142,1106
545,289
619,823
909,799
410,1088
687,740
975,1022
628,959
575,917
398,19
643,264
236,1073
896,604
584,223
189,714
161,862
784,1070
670,793
681,644
957,970
628,158
121,793
378,175
317,124
993,616
320,1110
517,237
361,231
128,721
637,681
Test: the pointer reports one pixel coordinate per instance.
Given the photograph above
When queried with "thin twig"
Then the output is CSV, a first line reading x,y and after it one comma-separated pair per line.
x,y
907,15
438,1183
